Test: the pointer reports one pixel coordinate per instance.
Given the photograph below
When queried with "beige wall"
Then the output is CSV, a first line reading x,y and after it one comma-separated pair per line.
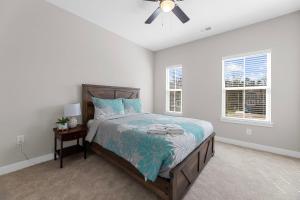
x,y
45,55
203,79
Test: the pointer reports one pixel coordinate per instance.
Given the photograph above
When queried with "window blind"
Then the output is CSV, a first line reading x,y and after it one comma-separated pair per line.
x,y
246,87
174,89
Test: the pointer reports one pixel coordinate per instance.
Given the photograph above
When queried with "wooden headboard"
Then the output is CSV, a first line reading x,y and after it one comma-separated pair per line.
x,y
104,92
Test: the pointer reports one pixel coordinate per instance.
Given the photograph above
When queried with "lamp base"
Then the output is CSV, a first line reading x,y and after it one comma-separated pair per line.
x,y
72,122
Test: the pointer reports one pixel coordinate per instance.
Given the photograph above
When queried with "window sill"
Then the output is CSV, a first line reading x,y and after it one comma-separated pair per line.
x,y
176,114
247,122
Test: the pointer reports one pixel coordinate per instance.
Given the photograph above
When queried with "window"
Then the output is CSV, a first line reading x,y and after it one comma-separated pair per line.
x,y
247,88
174,89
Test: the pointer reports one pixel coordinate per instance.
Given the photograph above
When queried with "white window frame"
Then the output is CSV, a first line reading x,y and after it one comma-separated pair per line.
x,y
168,90
256,122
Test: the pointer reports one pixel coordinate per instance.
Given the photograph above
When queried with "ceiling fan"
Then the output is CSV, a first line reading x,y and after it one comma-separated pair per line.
x,y
168,6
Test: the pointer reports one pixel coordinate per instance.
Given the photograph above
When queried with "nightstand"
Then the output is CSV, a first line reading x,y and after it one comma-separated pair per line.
x,y
77,133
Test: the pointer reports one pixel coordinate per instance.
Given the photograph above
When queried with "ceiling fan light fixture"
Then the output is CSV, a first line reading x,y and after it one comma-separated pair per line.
x,y
167,5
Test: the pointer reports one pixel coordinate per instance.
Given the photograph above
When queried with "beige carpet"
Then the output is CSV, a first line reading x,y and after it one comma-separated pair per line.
x,y
234,173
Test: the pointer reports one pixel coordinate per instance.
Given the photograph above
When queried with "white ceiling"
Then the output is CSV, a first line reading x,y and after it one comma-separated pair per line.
x,y
126,18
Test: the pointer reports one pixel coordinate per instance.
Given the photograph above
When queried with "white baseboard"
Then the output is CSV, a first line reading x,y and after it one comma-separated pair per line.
x,y
34,161
24,164
284,152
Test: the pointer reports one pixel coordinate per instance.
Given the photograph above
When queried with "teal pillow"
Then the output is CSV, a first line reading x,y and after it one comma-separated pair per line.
x,y
108,107
132,105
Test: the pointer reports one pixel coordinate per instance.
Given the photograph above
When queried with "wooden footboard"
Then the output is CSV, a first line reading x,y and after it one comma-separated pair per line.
x,y
181,177
186,172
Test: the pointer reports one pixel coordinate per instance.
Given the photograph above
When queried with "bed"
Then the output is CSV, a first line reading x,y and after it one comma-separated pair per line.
x,y
170,181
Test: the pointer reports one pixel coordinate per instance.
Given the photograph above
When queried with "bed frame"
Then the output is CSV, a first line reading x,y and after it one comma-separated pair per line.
x,y
182,176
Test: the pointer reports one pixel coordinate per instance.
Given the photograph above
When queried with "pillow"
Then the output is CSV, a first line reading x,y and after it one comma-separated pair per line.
x,y
132,105
104,107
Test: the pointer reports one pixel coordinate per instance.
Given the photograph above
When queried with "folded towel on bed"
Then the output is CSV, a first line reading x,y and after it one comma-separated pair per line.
x,y
164,129
158,129
175,131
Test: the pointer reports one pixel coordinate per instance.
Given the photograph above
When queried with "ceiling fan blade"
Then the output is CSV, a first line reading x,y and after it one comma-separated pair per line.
x,y
180,14
153,16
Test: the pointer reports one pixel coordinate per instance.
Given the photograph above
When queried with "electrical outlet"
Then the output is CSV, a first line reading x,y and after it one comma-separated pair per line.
x,y
249,131
20,139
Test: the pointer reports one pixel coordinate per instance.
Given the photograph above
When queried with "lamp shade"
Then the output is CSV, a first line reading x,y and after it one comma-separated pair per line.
x,y
72,110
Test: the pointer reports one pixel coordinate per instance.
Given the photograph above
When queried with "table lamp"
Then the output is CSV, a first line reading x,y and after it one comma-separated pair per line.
x,y
71,111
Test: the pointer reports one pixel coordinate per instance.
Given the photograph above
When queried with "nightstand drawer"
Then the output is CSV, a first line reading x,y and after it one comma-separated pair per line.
x,y
68,137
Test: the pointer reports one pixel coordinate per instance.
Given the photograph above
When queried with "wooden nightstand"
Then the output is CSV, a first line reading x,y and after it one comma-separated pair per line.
x,y
69,135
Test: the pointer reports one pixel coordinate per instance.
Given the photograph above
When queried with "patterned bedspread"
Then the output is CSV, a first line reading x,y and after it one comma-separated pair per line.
x,y
153,155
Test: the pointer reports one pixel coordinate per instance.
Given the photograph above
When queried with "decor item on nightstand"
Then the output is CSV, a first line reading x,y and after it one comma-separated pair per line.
x,y
62,123
72,110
